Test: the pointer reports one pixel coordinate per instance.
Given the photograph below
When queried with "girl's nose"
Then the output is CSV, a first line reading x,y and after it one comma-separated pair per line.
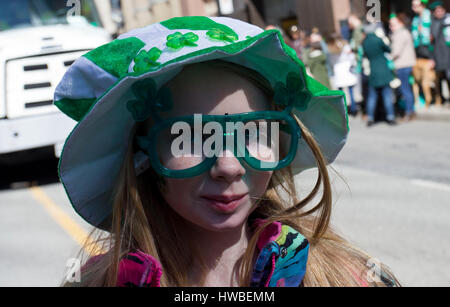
x,y
227,168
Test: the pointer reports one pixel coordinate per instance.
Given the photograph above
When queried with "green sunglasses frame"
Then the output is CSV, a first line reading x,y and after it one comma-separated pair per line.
x,y
149,145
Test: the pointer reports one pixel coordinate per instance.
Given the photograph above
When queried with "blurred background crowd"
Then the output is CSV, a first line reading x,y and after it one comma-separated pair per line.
x,y
392,58
389,68
406,60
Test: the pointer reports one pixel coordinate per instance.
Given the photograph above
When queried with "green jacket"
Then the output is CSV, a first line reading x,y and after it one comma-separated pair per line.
x,y
357,38
375,49
316,60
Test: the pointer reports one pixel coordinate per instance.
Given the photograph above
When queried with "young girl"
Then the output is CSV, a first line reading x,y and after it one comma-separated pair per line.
x,y
222,213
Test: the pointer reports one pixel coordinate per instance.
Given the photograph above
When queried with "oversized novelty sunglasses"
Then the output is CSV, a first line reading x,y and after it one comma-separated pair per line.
x,y
253,138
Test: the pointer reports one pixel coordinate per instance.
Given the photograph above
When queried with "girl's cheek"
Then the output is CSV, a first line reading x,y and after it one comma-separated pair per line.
x,y
257,182
178,192
177,163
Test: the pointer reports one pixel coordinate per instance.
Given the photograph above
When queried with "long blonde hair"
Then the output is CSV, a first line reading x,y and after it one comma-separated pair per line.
x,y
142,220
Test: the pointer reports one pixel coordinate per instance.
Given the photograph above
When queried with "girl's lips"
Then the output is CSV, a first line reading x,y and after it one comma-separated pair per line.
x,y
225,204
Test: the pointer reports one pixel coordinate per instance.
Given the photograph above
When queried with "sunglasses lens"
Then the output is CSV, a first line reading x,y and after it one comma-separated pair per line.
x,y
268,140
177,149
270,145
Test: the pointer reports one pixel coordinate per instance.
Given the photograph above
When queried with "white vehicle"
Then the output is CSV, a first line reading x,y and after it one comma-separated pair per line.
x,y
39,40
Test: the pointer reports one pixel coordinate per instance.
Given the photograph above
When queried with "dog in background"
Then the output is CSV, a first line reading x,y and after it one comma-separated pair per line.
x,y
426,78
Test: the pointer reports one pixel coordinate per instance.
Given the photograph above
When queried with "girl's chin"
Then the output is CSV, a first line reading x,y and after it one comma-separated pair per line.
x,y
223,227
213,221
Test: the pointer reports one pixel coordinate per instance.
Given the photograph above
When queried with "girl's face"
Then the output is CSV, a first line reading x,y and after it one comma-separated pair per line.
x,y
222,198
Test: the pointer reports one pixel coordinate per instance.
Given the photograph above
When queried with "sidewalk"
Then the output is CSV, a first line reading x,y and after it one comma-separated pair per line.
x,y
434,113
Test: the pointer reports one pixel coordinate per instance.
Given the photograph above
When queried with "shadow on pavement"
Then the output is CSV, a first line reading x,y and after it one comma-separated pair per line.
x,y
41,170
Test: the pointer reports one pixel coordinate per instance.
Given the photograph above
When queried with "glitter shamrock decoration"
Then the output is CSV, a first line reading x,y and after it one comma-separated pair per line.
x,y
221,35
147,60
149,100
177,40
294,92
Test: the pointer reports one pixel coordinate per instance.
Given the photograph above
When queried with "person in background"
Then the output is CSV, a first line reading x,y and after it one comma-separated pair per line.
x,y
440,30
297,40
356,26
316,36
421,32
343,62
117,17
380,76
357,37
346,32
404,57
316,60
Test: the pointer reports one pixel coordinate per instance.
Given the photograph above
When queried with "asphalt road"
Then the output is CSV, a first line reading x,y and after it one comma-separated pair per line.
x,y
393,201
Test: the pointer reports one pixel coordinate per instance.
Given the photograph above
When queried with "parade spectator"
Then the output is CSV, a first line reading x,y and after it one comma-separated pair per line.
x,y
380,76
316,36
356,26
343,62
421,32
297,39
404,57
316,60
440,30
357,37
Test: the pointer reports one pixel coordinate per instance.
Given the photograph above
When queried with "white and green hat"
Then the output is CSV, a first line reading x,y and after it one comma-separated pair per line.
x,y
96,88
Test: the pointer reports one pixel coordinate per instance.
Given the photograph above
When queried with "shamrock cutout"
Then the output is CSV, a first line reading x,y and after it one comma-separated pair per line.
x,y
139,109
177,40
146,60
149,100
220,35
294,92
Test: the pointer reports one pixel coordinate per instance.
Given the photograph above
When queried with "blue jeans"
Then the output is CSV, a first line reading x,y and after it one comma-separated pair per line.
x,y
353,108
406,89
387,99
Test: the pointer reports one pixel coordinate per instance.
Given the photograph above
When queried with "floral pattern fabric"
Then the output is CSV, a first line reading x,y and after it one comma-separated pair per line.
x,y
281,262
